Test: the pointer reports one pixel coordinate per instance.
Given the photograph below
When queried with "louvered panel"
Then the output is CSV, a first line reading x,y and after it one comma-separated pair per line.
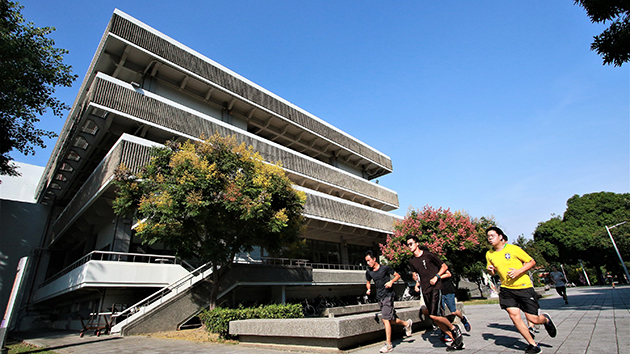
x,y
331,209
109,94
171,52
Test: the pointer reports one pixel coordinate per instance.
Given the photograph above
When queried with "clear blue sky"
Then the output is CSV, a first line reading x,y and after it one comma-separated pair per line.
x,y
492,107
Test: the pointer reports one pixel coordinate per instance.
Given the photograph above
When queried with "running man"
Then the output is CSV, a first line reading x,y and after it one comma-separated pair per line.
x,y
517,291
449,301
385,296
558,279
430,269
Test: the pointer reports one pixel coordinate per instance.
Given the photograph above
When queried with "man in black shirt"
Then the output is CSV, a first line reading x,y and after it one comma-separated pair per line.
x,y
430,269
385,295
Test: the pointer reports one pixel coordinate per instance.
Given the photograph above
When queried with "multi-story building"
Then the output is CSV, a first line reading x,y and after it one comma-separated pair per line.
x,y
144,88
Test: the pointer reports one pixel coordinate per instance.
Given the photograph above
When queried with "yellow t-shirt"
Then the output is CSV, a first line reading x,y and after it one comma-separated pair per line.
x,y
511,256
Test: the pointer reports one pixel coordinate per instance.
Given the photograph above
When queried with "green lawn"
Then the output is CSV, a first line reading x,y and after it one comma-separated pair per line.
x,y
481,301
21,347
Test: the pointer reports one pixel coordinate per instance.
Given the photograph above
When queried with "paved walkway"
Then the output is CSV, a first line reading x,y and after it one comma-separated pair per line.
x,y
597,320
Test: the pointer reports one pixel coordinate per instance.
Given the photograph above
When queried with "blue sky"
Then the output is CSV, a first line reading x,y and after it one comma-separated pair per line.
x,y
495,108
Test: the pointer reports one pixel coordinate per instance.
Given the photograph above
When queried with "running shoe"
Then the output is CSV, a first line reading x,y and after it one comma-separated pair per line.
x,y
457,335
466,323
387,348
453,347
533,349
549,326
531,331
408,328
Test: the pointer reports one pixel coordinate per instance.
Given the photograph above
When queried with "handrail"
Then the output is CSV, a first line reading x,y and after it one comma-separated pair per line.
x,y
306,263
336,266
112,257
158,295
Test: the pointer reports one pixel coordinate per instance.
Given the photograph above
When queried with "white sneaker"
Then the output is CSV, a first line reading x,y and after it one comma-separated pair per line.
x,y
387,348
408,328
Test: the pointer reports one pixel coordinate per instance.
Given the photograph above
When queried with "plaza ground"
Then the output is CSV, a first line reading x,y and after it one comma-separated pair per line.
x,y
596,320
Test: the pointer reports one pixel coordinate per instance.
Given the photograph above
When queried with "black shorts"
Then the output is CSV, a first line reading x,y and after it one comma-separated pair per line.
x,y
524,299
388,312
433,302
561,290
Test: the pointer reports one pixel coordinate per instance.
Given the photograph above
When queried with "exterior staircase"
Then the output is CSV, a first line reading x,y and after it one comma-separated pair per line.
x,y
183,297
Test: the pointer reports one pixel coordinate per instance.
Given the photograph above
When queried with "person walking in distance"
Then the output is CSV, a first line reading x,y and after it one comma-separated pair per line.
x,y
430,269
381,275
517,291
558,279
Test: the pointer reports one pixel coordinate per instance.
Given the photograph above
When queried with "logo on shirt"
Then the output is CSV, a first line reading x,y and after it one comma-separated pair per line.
x,y
508,256
424,263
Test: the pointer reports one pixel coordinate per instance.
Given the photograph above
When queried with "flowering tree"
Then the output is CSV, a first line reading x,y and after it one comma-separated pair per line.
x,y
211,200
445,233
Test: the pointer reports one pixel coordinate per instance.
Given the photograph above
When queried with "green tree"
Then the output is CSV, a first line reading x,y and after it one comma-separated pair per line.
x,y
211,200
536,252
614,43
473,260
581,232
30,69
451,235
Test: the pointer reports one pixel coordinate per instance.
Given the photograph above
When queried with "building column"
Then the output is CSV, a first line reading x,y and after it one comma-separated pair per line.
x,y
122,234
343,251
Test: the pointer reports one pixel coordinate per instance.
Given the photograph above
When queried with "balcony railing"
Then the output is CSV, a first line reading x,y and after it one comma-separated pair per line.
x,y
117,257
307,263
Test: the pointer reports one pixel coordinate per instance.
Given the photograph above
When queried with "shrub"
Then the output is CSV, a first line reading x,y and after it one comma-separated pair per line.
x,y
218,319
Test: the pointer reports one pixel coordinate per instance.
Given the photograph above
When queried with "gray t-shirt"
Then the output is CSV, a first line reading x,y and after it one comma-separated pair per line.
x,y
557,278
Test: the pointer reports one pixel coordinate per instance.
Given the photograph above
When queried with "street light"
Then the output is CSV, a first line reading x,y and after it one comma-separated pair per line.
x,y
617,250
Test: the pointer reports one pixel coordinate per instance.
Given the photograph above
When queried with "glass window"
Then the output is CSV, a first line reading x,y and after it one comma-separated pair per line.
x,y
90,127
81,143
66,167
73,155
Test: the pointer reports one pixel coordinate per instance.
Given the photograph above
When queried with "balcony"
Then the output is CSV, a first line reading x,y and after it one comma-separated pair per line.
x,y
112,269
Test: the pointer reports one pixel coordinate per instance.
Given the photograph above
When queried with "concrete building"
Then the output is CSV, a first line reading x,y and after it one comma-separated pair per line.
x,y
144,88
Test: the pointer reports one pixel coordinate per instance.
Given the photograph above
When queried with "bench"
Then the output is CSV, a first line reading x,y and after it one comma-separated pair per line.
x,y
342,328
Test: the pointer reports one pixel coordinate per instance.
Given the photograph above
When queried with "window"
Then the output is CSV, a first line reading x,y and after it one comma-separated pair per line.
x,y
81,143
90,127
66,167
73,155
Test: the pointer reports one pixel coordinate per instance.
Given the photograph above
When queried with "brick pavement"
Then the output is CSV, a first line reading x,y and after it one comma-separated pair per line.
x,y
596,320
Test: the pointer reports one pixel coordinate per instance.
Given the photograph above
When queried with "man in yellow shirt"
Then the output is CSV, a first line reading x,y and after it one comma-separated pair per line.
x,y
517,291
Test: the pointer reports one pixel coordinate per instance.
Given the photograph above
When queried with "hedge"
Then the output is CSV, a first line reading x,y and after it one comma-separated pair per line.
x,y
218,319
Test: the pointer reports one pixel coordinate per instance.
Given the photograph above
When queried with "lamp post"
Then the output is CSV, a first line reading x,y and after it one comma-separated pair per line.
x,y
617,250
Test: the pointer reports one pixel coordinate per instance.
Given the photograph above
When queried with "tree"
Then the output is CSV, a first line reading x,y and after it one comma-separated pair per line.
x,y
452,236
30,69
614,43
535,251
474,259
581,232
211,200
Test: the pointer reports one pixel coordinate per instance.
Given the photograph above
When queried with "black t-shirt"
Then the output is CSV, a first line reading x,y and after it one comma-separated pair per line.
x,y
447,286
380,277
427,266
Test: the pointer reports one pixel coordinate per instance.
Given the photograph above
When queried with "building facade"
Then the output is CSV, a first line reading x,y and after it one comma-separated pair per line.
x,y
144,88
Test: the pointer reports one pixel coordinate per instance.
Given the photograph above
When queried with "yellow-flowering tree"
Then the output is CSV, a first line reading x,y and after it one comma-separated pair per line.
x,y
211,200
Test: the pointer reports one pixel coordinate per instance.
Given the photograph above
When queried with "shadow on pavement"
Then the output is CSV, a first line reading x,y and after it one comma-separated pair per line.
x,y
506,341
83,342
